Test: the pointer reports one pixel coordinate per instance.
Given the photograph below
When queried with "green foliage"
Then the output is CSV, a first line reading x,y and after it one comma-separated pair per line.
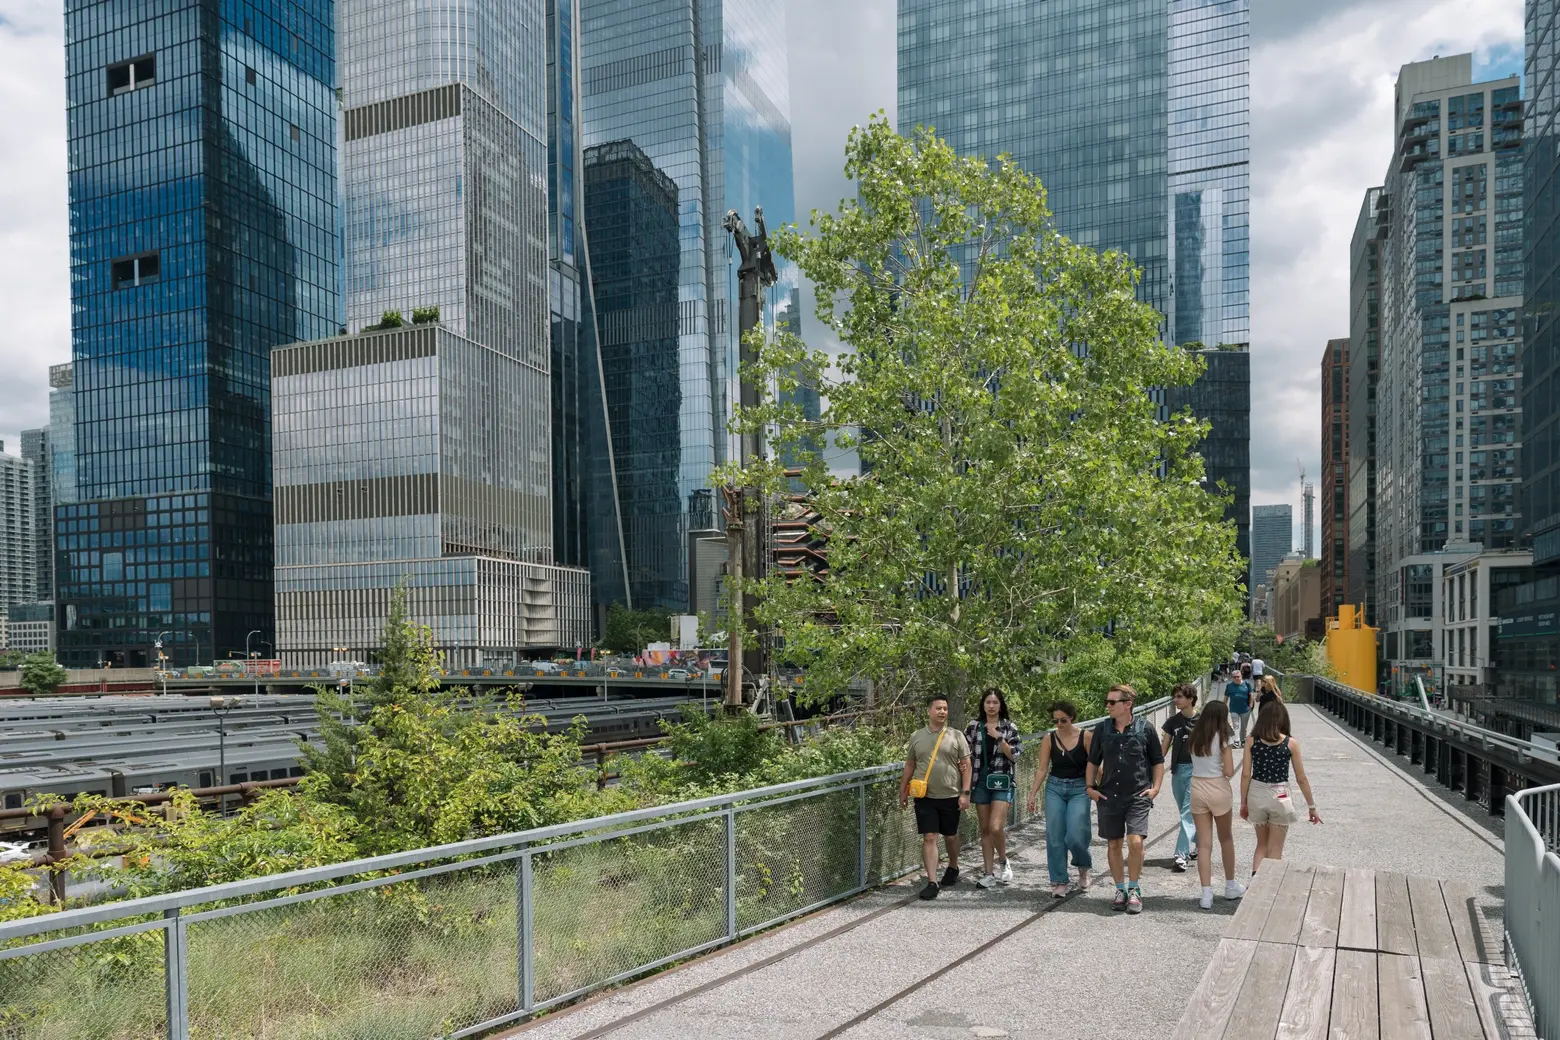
x,y
18,895
390,320
630,631
10,658
1292,656
1020,493
725,746
41,673
424,315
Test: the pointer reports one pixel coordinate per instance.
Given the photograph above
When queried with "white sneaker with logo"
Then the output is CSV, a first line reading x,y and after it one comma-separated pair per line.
x,y
1005,873
1234,890
987,881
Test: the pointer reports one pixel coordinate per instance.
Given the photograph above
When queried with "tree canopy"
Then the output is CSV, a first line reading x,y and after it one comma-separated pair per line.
x,y
1020,501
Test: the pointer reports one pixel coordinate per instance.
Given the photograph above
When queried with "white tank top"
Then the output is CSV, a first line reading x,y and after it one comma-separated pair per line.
x,y
1209,765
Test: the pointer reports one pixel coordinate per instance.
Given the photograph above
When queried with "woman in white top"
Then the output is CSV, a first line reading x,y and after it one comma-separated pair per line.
x,y
1212,802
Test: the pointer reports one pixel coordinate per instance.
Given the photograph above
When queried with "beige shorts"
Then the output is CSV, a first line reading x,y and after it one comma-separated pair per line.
x,y
1211,794
1265,808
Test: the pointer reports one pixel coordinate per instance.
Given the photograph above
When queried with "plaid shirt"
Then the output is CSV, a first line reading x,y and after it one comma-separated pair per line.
x,y
975,733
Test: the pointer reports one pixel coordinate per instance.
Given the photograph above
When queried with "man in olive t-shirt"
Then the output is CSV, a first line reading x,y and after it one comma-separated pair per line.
x,y
947,776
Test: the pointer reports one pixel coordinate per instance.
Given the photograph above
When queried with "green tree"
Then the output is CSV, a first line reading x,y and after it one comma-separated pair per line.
x,y
630,631
390,320
425,315
41,673
1019,492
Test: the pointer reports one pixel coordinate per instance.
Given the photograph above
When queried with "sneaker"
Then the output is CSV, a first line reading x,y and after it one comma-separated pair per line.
x,y
1206,900
1134,900
986,881
1180,864
1193,856
950,877
1083,879
1120,901
930,891
1005,873
1059,891
1234,890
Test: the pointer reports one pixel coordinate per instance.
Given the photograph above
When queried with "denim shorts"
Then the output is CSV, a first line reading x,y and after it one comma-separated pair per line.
x,y
981,796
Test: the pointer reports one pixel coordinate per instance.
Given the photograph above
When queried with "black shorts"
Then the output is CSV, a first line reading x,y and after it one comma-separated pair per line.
x,y
1120,817
937,816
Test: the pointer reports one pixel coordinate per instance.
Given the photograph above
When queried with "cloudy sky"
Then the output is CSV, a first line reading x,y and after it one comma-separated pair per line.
x,y
1322,73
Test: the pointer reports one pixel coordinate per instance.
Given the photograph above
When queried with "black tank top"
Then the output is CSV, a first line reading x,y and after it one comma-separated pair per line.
x,y
1065,764
1270,762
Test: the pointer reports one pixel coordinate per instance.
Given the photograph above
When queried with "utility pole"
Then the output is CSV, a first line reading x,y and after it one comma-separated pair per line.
x,y
745,513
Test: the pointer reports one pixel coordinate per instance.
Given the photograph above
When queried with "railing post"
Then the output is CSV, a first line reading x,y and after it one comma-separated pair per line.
x,y
176,981
731,874
861,835
527,937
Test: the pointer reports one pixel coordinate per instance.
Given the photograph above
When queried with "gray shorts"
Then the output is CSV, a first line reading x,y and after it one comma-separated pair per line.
x,y
1120,817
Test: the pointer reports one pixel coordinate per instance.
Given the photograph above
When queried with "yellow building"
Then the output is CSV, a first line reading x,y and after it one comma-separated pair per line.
x,y
1351,647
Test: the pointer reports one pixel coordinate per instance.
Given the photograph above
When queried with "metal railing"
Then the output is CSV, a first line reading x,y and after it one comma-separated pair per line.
x,y
1533,900
459,939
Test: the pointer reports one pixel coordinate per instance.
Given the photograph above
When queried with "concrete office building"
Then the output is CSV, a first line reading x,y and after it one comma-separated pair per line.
x,y
1370,229
18,545
1451,299
1334,478
37,450
422,455
701,88
1272,538
203,232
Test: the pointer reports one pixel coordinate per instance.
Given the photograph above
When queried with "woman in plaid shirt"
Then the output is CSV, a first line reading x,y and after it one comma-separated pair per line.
x,y
994,748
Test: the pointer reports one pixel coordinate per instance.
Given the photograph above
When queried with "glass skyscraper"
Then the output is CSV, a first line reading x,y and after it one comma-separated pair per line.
x,y
635,256
202,157
421,454
700,88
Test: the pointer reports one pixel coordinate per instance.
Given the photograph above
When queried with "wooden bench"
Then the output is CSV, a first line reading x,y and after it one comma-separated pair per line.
x,y
1318,953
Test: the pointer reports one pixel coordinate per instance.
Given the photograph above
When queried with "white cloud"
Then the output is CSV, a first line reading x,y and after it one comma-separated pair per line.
x,y
1321,117
34,242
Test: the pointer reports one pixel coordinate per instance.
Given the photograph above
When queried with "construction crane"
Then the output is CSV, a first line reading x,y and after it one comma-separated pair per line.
x,y
1308,513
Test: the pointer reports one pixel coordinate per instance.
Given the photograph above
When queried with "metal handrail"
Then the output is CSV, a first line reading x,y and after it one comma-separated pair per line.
x,y
1523,749
173,901
1532,915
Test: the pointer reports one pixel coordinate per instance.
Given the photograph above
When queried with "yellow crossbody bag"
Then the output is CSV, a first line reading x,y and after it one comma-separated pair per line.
x,y
918,787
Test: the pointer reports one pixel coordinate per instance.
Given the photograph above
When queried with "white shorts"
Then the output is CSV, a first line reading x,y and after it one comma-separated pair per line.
x,y
1269,804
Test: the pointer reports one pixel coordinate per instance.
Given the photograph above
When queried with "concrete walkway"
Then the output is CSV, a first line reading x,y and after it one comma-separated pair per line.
x,y
983,964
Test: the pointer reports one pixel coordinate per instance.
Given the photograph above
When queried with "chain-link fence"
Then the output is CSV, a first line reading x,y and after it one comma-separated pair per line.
x,y
456,940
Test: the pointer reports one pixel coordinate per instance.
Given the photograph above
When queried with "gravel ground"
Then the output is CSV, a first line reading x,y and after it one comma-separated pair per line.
x,y
1080,970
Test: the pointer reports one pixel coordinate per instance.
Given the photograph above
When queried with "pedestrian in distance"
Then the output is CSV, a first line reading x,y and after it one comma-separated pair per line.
x,y
1213,764
1237,693
1268,692
1177,728
1264,783
1126,767
1063,765
1257,667
994,743
937,776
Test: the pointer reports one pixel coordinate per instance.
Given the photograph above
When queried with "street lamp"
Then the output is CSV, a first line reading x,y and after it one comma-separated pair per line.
x,y
220,706
249,659
162,659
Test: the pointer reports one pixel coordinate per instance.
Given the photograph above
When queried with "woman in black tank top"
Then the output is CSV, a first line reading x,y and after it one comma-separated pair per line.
x,y
1064,754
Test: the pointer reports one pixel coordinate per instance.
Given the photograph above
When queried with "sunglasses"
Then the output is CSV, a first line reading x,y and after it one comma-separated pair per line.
x,y
1060,720
1117,701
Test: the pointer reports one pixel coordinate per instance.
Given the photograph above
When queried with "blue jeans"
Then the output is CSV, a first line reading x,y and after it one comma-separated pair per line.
x,y
1181,785
1066,827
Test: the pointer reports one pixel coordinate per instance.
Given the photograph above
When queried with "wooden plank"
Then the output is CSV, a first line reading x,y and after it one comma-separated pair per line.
x,y
1288,912
1357,923
1487,982
1252,914
1306,1006
1474,940
1404,1015
1262,995
1214,998
1394,916
1322,911
1432,927
1354,997
1452,1014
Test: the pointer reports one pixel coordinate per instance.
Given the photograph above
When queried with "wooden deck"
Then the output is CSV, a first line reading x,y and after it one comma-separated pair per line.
x,y
1327,954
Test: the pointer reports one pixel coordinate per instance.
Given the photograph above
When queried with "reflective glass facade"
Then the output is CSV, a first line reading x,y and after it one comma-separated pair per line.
x,y
701,88
632,212
1272,538
1222,397
202,156
37,450
1364,361
587,524
1334,477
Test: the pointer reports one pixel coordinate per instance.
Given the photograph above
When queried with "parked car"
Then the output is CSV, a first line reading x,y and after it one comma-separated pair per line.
x,y
678,675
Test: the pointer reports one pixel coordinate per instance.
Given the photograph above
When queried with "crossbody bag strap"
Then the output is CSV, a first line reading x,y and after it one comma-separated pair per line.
x,y
933,760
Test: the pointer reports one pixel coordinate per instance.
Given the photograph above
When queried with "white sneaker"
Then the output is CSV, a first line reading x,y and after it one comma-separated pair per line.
x,y
1005,873
987,881
1206,899
1234,890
